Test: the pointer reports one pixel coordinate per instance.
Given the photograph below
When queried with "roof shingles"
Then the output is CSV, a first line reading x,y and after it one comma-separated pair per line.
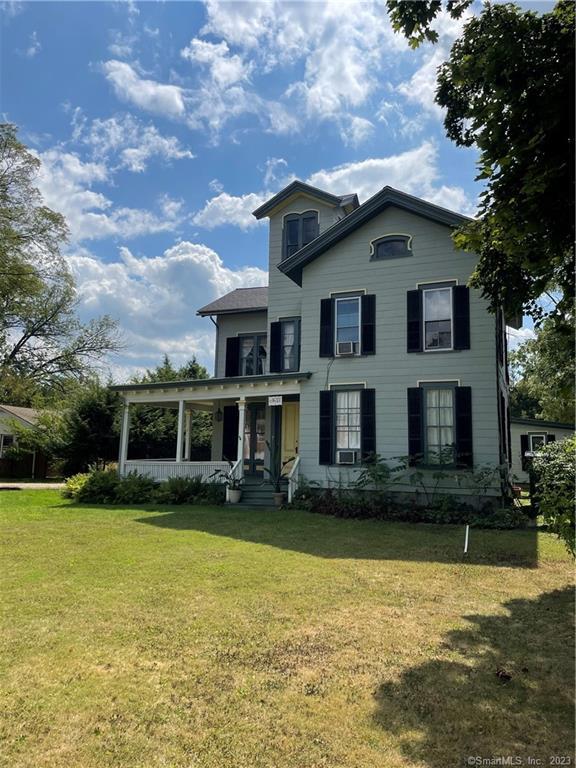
x,y
239,300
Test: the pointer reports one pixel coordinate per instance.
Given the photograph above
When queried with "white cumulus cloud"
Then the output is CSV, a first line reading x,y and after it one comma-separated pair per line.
x,y
155,299
159,98
66,182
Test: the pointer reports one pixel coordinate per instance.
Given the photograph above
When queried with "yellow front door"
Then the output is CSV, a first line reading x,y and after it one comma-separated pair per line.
x,y
290,432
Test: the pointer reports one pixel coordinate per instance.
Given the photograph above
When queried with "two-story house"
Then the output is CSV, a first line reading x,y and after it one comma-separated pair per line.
x,y
366,340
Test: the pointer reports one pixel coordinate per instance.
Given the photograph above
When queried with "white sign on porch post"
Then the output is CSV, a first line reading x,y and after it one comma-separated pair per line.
x,y
275,400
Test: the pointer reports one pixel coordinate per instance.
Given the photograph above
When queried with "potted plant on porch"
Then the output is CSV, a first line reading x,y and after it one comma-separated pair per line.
x,y
274,472
232,483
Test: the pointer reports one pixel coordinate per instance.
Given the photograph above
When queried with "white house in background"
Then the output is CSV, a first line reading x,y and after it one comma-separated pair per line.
x,y
366,340
32,465
528,435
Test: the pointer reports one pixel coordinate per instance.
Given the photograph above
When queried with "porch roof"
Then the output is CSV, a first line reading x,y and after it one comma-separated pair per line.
x,y
208,389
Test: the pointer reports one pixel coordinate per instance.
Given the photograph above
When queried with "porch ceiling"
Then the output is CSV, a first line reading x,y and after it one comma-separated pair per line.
x,y
206,391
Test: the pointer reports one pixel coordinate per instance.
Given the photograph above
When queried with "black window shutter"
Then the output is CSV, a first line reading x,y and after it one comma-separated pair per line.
x,y
550,438
232,356
523,449
297,342
414,321
230,433
275,347
326,439
415,431
368,325
463,408
368,422
327,328
461,308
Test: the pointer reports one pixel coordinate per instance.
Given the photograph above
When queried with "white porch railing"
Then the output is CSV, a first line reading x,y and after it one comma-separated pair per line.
x,y
162,470
293,478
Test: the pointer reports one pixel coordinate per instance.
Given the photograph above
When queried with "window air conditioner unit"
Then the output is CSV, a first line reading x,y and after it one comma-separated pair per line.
x,y
345,348
346,457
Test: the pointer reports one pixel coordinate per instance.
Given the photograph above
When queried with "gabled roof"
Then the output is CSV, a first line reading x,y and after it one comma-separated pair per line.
x,y
28,415
539,423
388,196
300,188
239,300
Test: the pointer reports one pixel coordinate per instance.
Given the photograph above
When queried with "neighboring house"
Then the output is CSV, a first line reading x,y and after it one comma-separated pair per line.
x,y
31,465
366,340
528,435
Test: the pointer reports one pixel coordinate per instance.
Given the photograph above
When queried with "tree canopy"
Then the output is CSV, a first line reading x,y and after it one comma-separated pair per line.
x,y
42,341
543,371
507,88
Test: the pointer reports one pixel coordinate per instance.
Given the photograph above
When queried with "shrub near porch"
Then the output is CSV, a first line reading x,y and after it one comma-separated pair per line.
x,y
222,638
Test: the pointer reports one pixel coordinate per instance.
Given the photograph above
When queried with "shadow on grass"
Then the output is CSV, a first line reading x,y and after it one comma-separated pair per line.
x,y
363,539
508,693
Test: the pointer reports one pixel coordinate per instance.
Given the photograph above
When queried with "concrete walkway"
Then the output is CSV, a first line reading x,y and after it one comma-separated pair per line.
x,y
22,485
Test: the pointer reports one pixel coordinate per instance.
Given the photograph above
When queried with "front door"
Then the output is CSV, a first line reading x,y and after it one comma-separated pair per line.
x,y
254,439
290,432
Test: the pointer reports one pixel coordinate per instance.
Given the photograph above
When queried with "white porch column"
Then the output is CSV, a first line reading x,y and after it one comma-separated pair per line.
x,y
180,434
187,426
241,424
124,434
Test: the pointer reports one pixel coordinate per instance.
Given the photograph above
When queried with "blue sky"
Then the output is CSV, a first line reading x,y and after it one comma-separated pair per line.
x,y
162,125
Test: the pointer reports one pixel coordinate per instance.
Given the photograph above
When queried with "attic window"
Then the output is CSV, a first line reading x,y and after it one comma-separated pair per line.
x,y
390,247
299,230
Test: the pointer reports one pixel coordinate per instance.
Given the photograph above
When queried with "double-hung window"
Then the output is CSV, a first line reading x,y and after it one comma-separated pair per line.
x,y
289,342
437,310
252,355
348,320
299,230
6,441
440,435
537,442
348,420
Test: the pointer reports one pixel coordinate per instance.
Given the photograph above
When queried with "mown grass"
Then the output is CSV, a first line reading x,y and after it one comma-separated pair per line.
x,y
147,637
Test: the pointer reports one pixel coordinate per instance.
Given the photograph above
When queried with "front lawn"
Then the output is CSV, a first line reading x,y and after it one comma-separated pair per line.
x,y
223,638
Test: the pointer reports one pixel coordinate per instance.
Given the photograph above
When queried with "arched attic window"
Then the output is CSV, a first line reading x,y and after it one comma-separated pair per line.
x,y
392,246
299,230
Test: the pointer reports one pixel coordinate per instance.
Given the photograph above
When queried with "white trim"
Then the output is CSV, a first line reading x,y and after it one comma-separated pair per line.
x,y
348,298
430,290
348,384
301,213
536,434
391,234
439,381
433,282
351,291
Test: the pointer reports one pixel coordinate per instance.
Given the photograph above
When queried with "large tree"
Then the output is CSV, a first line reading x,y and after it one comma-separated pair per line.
x,y
543,375
507,88
42,341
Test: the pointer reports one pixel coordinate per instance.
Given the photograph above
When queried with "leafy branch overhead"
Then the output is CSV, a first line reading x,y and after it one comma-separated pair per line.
x,y
507,88
42,340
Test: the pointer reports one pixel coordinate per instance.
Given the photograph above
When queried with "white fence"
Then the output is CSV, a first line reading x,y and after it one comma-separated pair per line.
x,y
162,470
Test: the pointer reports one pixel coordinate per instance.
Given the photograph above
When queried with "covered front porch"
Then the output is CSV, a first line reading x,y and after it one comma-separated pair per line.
x,y
250,416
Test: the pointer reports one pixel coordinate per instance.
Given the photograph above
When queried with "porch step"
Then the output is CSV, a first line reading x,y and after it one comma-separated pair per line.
x,y
258,494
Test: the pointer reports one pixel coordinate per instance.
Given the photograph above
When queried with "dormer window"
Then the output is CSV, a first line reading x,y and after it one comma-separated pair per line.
x,y
299,230
391,246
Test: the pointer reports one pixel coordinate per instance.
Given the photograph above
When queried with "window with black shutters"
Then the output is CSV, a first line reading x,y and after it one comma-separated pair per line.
x,y
252,355
347,424
299,230
440,425
438,318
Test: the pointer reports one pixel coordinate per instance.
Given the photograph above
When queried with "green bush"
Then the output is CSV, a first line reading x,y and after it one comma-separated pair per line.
x,y
554,468
180,490
74,484
100,487
381,506
105,487
135,489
